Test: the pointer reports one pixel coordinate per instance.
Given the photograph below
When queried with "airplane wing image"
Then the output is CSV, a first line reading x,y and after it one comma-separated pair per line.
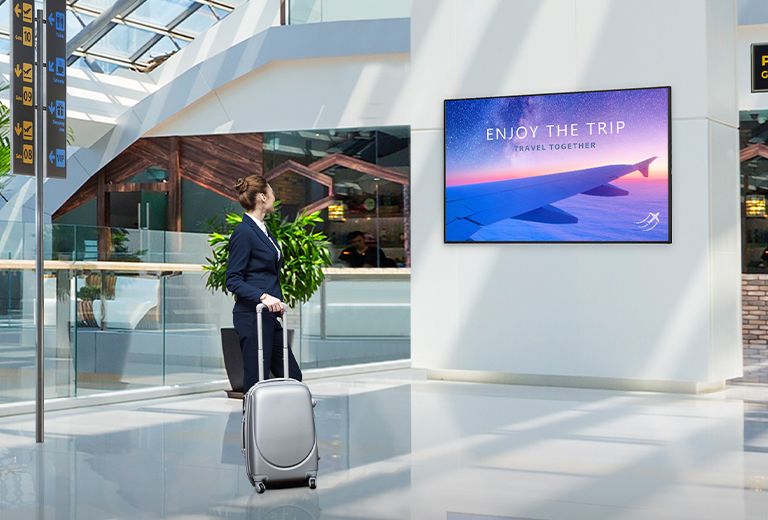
x,y
469,208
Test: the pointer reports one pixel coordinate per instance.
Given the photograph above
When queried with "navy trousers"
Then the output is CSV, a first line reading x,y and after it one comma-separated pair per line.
x,y
245,325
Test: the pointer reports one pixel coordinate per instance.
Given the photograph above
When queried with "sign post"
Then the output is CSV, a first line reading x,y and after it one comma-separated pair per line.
x,y
38,45
40,248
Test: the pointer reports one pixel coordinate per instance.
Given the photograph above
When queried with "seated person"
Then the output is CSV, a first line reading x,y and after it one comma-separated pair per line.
x,y
360,254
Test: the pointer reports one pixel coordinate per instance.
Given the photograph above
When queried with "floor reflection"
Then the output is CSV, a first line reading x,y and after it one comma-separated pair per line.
x,y
395,446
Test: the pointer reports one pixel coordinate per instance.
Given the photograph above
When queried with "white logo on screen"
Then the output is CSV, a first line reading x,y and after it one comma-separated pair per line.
x,y
649,222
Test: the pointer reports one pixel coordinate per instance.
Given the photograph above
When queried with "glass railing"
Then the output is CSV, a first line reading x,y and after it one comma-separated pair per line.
x,y
357,316
128,309
313,11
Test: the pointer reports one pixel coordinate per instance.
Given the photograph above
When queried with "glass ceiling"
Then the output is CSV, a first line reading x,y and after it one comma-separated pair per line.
x,y
140,35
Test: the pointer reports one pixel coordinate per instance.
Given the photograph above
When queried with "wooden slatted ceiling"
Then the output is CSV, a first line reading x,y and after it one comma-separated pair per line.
x,y
212,161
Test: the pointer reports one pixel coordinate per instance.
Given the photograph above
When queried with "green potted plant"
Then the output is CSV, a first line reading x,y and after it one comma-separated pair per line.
x,y
305,254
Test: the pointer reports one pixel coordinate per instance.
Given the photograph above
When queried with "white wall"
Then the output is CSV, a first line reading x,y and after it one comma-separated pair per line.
x,y
661,316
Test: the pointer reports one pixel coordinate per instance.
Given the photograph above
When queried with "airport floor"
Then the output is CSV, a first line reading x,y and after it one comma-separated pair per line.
x,y
396,446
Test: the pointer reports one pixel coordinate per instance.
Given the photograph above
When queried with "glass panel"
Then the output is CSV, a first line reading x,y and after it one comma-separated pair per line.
x,y
93,65
333,10
17,341
17,330
311,11
81,64
73,24
203,211
96,4
125,210
162,47
755,224
122,41
366,211
5,16
145,209
295,191
5,46
155,205
365,204
754,190
17,336
365,319
151,174
107,329
197,22
181,43
119,338
193,320
305,11
159,12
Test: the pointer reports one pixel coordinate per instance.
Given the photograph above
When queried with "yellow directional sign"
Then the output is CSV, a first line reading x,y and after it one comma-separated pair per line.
x,y
23,150
28,134
26,68
28,154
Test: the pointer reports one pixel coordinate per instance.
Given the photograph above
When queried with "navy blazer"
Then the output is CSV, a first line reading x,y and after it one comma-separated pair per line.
x,y
253,267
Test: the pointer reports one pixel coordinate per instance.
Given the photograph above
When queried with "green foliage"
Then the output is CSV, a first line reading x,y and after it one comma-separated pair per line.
x,y
89,292
5,135
120,250
217,266
305,253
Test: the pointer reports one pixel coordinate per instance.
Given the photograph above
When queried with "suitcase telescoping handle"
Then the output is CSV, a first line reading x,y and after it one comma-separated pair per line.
x,y
259,329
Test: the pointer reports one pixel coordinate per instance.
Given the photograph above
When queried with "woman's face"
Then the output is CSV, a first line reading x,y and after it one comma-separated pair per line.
x,y
270,202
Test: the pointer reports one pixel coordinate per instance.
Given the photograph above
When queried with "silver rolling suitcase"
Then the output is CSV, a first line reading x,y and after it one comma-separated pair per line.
x,y
279,439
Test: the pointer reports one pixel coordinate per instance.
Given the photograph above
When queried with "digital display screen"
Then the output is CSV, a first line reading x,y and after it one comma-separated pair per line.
x,y
571,167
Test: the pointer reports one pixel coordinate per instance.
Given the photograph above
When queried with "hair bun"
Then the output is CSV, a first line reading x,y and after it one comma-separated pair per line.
x,y
241,185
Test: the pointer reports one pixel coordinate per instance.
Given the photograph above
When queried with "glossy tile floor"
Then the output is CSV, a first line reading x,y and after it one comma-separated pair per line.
x,y
395,446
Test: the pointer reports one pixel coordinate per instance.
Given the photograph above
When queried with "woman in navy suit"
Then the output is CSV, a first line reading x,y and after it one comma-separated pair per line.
x,y
253,276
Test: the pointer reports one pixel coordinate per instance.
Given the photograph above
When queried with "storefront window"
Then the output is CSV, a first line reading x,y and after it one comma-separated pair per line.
x,y
754,191
363,202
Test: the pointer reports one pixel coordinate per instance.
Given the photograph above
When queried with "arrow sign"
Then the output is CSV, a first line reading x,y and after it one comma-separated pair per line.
x,y
22,88
56,87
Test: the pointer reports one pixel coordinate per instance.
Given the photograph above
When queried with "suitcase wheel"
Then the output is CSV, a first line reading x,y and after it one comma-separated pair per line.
x,y
312,482
260,487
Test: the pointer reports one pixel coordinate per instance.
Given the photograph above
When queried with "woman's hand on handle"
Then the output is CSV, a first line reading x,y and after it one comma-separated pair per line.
x,y
273,304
